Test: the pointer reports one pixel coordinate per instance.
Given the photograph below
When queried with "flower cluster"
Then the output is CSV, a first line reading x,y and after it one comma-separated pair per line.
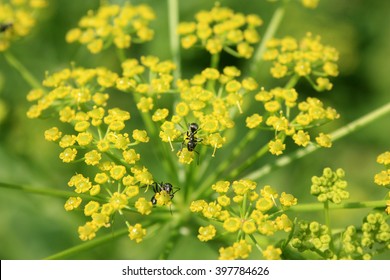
x,y
148,78
222,29
383,177
240,209
314,237
279,105
113,24
77,97
307,58
17,18
373,237
330,186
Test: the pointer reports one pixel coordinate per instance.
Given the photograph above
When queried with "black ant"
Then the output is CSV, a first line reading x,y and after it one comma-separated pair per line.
x,y
159,187
193,128
5,26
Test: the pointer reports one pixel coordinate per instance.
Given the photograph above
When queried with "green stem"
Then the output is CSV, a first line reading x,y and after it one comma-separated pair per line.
x,y
121,54
47,192
18,66
88,245
327,222
173,15
270,32
318,206
336,135
215,60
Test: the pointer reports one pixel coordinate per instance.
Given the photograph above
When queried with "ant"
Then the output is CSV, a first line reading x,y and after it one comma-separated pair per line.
x,y
193,128
5,26
159,187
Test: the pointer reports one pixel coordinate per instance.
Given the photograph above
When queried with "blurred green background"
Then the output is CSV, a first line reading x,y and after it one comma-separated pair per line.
x,y
36,226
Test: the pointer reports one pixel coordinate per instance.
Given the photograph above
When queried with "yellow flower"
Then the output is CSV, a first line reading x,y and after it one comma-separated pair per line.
x,y
72,203
276,147
93,157
68,155
382,178
272,253
137,233
221,186
226,253
144,207
324,140
160,114
301,138
140,135
88,231
100,219
131,156
206,233
232,224
242,249
287,199
91,207
53,134
198,205
384,158
249,227
117,172
264,204
118,201
145,104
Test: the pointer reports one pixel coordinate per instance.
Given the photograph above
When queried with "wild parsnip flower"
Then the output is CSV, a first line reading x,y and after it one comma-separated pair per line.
x,y
290,118
243,210
272,253
17,18
137,233
100,139
222,29
330,186
366,241
209,100
383,178
113,24
307,58
313,236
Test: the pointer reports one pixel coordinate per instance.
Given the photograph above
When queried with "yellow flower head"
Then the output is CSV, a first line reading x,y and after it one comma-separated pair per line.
x,y
206,233
137,233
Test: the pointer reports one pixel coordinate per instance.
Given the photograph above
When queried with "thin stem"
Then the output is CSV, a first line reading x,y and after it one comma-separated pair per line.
x,y
173,15
23,71
336,135
318,206
88,245
46,191
215,60
327,222
270,32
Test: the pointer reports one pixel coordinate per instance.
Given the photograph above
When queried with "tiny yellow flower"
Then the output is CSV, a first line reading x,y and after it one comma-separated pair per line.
x,y
140,135
249,227
206,233
232,224
272,253
382,178
143,206
145,104
198,205
91,207
226,253
242,249
142,175
72,203
185,156
276,147
92,158
131,190
101,178
100,219
88,231
223,200
137,233
211,210
95,190
68,155
324,140
131,156
160,114
117,172
53,134
84,138
221,186
287,200
384,158
264,204
118,200
301,138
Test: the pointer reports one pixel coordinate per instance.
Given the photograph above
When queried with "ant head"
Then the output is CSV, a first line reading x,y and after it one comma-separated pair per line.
x,y
193,127
167,187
